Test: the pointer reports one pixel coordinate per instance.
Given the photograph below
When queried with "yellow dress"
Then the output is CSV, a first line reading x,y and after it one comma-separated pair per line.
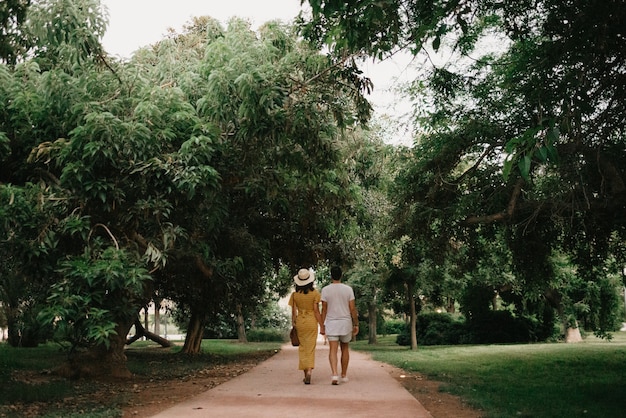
x,y
306,324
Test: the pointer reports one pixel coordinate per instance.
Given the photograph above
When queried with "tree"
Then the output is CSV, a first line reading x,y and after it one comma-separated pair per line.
x,y
215,154
278,104
113,153
371,164
528,137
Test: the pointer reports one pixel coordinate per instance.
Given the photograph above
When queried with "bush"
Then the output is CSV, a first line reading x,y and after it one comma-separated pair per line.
x,y
392,326
491,327
434,328
496,327
439,329
404,337
265,335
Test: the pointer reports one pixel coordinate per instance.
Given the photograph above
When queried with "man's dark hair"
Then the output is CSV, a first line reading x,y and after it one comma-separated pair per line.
x,y
335,273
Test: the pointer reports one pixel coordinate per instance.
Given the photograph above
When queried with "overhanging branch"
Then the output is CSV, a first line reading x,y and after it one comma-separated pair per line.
x,y
500,216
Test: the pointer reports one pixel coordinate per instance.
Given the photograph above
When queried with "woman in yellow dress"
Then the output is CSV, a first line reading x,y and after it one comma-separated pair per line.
x,y
305,317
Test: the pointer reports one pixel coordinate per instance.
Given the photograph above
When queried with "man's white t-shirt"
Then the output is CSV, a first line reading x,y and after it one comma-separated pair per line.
x,y
338,317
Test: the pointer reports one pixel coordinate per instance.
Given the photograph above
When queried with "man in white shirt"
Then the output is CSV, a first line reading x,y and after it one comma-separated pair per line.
x,y
341,322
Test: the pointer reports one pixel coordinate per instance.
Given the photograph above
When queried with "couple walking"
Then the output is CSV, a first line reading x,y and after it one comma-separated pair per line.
x,y
338,320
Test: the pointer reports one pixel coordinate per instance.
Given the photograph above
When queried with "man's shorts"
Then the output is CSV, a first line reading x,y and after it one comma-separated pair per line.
x,y
343,338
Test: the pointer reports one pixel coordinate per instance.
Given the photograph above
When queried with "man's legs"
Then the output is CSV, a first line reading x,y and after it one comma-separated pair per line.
x,y
345,358
332,355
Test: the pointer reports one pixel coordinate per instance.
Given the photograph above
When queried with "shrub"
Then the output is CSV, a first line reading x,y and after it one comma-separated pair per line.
x,y
404,337
438,329
392,326
491,327
265,335
497,327
435,329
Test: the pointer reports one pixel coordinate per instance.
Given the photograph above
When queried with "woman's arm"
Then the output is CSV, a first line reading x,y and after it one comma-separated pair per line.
x,y
318,315
322,319
294,311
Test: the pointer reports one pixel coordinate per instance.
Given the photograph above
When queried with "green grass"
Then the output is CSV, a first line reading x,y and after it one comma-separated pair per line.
x,y
142,360
532,380
233,348
26,379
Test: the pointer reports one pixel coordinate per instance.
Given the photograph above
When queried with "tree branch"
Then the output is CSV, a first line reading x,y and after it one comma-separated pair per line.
x,y
500,216
202,266
475,166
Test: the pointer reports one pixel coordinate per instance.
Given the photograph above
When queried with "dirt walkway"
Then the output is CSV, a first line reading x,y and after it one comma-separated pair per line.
x,y
275,389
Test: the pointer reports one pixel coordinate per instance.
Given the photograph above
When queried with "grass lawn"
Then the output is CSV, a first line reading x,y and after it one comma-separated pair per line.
x,y
28,388
530,380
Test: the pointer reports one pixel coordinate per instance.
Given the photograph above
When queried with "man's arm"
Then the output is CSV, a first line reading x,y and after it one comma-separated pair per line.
x,y
324,312
355,317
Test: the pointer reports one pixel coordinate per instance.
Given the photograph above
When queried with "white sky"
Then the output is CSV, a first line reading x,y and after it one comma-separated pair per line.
x,y
137,23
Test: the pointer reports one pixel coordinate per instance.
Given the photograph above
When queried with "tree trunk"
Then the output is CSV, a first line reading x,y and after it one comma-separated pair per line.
x,y
572,335
14,337
146,319
413,318
20,334
450,307
571,331
241,329
372,314
157,315
193,339
100,361
142,332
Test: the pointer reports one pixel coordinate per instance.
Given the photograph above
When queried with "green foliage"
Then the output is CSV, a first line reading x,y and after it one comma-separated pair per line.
x,y
95,294
439,329
436,329
517,148
282,190
29,245
499,327
272,316
12,17
269,318
484,327
392,326
66,32
207,159
266,335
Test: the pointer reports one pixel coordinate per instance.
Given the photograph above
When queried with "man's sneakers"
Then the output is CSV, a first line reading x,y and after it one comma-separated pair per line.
x,y
335,380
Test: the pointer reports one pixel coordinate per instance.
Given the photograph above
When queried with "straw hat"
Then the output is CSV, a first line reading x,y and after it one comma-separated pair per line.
x,y
304,277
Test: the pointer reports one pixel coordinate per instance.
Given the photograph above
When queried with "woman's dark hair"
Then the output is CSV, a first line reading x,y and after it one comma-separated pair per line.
x,y
304,289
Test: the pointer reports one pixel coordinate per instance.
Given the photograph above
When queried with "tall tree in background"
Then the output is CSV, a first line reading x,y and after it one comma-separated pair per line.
x,y
372,165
